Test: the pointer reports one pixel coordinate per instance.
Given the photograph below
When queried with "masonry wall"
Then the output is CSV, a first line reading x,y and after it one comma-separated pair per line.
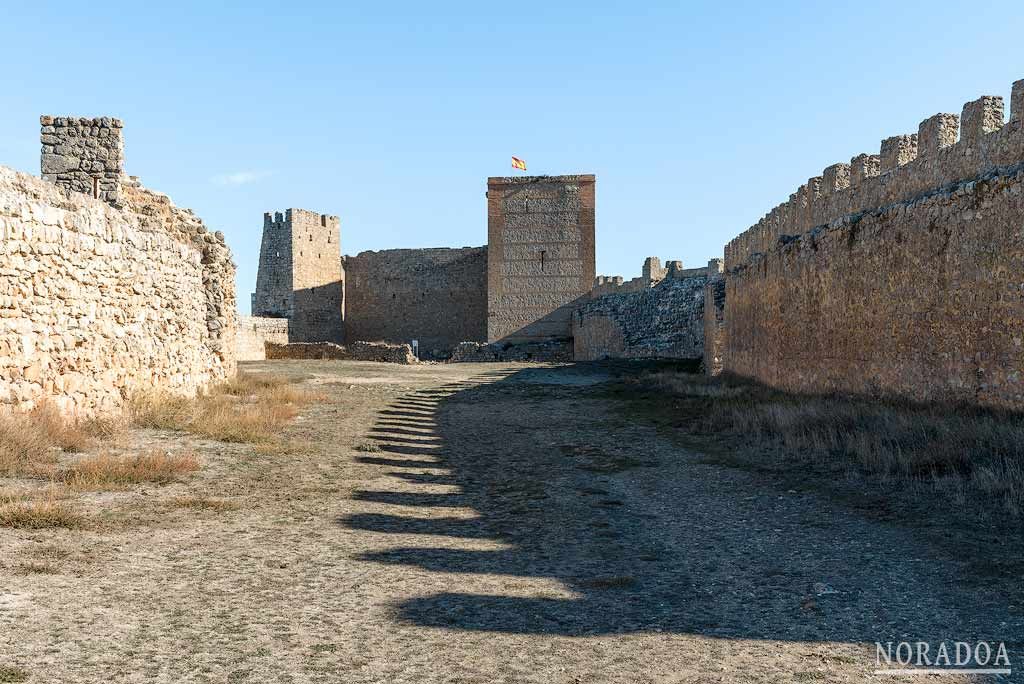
x,y
665,320
96,302
898,275
436,296
83,155
300,275
254,333
540,232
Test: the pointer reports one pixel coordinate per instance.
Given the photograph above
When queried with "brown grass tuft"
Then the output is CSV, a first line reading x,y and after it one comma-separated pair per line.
x,y
249,408
106,471
39,513
30,443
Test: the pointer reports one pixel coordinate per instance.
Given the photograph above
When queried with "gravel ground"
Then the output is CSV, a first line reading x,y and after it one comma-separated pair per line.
x,y
478,523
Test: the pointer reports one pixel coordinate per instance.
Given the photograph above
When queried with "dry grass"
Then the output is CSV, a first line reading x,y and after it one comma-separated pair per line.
x,y
40,512
107,471
248,409
31,443
968,453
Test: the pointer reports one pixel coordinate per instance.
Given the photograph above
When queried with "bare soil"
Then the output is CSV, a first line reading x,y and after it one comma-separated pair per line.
x,y
485,523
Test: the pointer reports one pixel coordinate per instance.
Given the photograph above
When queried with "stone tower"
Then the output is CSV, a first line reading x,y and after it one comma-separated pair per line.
x,y
540,254
300,276
83,155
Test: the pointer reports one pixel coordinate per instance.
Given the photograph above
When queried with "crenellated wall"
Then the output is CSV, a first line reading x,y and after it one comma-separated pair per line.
x,y
898,274
663,317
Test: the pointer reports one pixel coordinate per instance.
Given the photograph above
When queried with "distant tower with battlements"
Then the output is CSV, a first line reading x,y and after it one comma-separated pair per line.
x,y
300,276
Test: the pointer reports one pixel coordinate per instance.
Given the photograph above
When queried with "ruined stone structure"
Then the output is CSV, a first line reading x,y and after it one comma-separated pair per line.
x,y
300,276
519,289
98,301
84,155
714,319
328,351
897,274
658,315
435,296
253,334
540,260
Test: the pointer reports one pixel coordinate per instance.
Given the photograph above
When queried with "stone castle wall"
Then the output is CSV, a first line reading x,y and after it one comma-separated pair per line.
x,y
659,315
357,351
84,155
97,302
898,274
253,334
300,276
540,232
436,296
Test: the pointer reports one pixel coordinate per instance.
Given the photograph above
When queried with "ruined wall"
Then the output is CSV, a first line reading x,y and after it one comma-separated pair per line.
x,y
253,333
356,351
96,302
83,155
437,296
540,232
715,342
300,275
663,320
899,274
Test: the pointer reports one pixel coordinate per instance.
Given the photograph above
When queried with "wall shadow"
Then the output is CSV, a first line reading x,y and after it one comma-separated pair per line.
x,y
541,490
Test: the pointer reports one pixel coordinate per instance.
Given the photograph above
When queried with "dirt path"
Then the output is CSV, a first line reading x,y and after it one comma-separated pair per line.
x,y
478,523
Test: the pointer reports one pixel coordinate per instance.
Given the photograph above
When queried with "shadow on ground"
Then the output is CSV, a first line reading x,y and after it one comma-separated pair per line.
x,y
646,537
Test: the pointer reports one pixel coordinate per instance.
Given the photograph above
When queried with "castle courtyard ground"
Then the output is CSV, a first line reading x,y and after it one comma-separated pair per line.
x,y
489,523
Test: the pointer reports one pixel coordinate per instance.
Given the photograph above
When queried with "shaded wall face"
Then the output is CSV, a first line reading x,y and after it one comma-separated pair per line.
x,y
435,296
665,321
923,299
541,259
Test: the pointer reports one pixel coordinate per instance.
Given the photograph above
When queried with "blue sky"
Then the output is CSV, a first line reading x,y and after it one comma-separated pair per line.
x,y
696,117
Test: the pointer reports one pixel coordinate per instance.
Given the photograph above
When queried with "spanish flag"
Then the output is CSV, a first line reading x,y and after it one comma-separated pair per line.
x,y
518,163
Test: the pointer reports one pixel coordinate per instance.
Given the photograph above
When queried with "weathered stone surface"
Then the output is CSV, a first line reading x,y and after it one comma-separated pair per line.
x,y
254,332
300,275
83,155
98,302
356,351
435,296
558,350
662,319
540,232
909,284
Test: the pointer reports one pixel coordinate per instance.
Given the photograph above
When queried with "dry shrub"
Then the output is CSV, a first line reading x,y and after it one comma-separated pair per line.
x,y
974,452
30,443
249,408
40,512
107,471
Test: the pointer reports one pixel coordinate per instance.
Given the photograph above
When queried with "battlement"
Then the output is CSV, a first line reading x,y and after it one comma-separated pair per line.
x,y
652,274
526,180
306,217
906,167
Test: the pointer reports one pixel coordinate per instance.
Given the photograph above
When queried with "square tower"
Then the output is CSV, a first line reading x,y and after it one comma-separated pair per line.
x,y
540,254
83,155
300,275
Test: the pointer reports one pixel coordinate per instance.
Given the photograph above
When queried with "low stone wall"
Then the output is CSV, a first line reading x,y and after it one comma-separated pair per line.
x,y
253,334
664,321
98,302
550,351
357,351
